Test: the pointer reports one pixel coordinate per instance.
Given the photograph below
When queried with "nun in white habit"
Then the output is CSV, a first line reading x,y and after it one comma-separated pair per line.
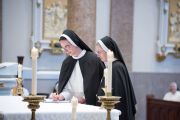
x,y
81,71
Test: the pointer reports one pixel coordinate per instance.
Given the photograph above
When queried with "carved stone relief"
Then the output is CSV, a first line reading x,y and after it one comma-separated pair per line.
x,y
55,18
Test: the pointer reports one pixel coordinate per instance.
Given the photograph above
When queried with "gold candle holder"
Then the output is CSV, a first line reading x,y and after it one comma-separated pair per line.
x,y
1,84
106,93
33,103
19,89
108,102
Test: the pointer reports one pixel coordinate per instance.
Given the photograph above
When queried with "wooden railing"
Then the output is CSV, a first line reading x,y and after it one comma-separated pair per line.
x,y
162,110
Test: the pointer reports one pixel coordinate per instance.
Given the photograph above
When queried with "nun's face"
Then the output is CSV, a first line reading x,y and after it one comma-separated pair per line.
x,y
101,53
68,47
172,88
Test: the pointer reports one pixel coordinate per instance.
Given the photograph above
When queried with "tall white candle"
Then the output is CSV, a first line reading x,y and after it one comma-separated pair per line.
x,y
106,76
19,71
110,56
74,103
34,55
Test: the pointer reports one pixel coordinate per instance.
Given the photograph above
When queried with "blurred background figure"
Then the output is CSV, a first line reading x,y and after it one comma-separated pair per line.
x,y
173,95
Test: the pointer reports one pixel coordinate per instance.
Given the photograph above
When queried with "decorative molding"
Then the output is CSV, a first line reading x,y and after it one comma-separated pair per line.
x,y
160,58
1,84
165,11
157,38
56,46
38,4
38,46
177,48
163,47
37,38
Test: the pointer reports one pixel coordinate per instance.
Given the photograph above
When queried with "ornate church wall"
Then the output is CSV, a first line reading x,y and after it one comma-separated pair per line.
x,y
145,32
17,28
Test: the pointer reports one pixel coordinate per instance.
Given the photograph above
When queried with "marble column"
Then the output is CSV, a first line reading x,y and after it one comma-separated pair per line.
x,y
0,31
122,27
82,20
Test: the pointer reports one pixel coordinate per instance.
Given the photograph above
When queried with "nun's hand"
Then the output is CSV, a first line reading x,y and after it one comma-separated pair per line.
x,y
82,101
55,97
61,97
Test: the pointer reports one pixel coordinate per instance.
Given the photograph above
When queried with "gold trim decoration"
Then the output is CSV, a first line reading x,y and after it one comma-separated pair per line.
x,y
157,38
38,46
166,0
165,11
19,89
38,4
109,94
1,84
32,33
177,48
163,49
54,47
162,57
105,90
33,103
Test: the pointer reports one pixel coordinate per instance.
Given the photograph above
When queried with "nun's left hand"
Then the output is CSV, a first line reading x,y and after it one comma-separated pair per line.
x,y
82,101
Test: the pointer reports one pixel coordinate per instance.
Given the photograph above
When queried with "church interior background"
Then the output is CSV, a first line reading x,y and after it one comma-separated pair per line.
x,y
151,55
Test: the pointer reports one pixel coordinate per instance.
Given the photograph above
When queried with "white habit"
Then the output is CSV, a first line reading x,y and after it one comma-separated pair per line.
x,y
74,86
172,97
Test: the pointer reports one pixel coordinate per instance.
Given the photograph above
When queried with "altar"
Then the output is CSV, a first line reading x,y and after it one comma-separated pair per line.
x,y
13,108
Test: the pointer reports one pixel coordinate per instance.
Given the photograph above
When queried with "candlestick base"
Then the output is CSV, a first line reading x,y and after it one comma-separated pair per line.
x,y
19,89
33,103
108,103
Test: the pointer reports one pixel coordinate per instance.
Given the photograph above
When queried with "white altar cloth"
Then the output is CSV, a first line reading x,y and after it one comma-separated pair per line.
x,y
13,108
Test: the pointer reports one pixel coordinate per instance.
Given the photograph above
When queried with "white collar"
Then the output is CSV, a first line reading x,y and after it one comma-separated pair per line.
x,y
80,55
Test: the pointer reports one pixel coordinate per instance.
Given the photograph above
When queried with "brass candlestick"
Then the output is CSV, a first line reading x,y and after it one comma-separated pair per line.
x,y
19,89
108,102
1,84
33,103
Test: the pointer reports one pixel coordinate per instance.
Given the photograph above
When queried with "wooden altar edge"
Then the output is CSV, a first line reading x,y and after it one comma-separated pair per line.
x,y
162,110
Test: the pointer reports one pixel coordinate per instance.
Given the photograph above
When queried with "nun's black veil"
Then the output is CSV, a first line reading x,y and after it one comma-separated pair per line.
x,y
76,40
130,96
111,44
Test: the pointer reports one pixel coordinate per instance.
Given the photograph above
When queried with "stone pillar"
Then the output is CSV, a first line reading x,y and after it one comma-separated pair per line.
x,y
0,31
122,27
82,20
